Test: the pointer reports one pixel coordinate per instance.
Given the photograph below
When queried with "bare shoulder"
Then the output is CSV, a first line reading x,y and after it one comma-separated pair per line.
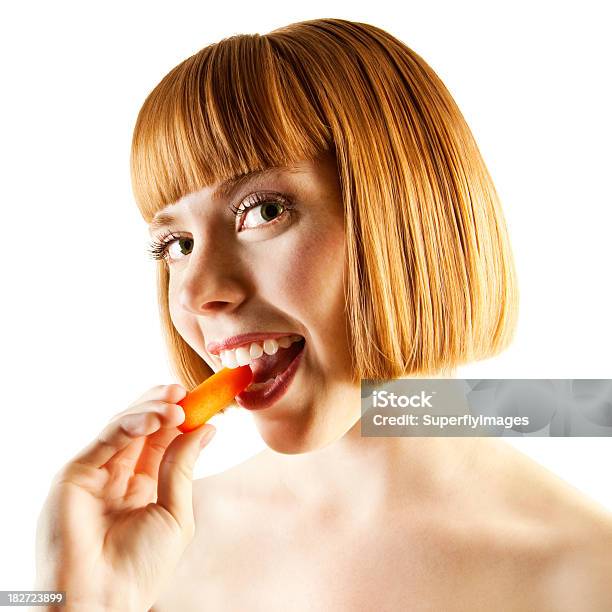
x,y
580,577
574,541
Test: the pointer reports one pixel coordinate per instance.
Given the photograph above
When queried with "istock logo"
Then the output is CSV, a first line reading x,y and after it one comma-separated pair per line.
x,y
384,399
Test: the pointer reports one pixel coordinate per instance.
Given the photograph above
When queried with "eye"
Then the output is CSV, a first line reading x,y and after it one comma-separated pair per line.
x,y
170,247
266,212
182,244
262,209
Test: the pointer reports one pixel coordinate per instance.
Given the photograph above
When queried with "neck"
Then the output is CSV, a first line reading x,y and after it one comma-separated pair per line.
x,y
359,474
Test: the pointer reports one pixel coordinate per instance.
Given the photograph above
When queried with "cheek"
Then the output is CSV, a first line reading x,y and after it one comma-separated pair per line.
x,y
309,284
185,323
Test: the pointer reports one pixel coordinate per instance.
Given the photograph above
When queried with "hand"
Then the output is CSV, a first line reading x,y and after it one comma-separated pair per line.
x,y
120,514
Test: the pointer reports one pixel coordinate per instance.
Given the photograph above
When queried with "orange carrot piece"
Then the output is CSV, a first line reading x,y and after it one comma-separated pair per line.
x,y
214,394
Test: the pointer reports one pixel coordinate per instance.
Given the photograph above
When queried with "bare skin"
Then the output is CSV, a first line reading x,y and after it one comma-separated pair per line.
x,y
325,519
454,524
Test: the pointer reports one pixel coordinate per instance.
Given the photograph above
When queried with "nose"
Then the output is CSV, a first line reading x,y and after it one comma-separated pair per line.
x,y
212,281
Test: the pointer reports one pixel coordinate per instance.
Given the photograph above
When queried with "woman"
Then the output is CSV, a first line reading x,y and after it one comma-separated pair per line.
x,y
316,192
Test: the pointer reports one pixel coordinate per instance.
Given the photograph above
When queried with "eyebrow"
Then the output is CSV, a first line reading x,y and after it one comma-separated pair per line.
x,y
225,190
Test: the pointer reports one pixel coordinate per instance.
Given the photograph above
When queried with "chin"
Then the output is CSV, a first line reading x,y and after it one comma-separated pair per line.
x,y
297,433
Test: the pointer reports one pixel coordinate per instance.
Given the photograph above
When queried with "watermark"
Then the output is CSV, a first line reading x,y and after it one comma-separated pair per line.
x,y
486,407
32,598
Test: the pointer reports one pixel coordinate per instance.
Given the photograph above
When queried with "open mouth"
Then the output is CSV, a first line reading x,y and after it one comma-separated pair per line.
x,y
268,367
272,375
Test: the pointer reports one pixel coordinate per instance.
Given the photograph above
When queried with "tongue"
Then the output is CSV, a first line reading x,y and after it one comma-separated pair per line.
x,y
269,366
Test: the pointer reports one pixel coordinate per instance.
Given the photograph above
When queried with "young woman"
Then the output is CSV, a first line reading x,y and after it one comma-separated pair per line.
x,y
315,192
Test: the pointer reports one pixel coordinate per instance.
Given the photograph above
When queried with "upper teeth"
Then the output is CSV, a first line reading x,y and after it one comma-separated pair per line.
x,y
243,355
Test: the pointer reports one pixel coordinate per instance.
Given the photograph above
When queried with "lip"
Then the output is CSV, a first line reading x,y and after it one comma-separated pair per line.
x,y
215,348
264,398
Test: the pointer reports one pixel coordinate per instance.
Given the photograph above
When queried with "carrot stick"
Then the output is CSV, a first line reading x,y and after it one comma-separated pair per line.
x,y
214,394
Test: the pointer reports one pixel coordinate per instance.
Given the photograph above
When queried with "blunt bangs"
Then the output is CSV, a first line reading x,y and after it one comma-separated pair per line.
x,y
230,109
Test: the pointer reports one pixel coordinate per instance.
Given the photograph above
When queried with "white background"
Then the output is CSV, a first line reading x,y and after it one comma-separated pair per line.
x,y
80,333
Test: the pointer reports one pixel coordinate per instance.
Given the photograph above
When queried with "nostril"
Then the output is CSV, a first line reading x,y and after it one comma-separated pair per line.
x,y
215,306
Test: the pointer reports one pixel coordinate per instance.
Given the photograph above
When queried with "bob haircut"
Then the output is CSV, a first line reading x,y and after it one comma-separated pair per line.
x,y
429,275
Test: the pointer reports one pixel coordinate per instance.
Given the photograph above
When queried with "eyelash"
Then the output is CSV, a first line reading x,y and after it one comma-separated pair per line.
x,y
158,249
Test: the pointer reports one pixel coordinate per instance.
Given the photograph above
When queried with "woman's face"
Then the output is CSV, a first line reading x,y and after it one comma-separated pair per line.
x,y
275,268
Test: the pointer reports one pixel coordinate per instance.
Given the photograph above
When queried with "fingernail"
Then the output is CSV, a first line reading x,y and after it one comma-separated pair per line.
x,y
182,414
205,439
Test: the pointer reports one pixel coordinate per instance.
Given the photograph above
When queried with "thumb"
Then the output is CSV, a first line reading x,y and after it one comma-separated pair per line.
x,y
175,482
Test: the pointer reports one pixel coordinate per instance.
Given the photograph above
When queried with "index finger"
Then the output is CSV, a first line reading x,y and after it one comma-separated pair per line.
x,y
165,393
116,436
